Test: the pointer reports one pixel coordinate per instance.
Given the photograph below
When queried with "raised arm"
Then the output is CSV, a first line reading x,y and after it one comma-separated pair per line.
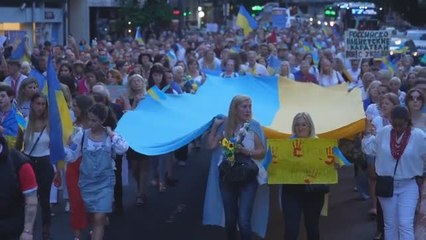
x,y
213,136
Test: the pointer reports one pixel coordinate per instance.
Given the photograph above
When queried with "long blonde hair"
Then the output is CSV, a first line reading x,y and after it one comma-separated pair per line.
x,y
232,114
32,118
307,117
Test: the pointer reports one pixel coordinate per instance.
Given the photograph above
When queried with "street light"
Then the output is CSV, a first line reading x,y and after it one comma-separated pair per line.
x,y
200,15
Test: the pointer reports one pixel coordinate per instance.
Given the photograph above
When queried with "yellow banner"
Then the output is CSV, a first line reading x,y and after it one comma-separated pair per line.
x,y
303,161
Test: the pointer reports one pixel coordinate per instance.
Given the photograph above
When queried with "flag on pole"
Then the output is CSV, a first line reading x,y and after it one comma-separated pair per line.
x,y
138,36
246,21
156,93
18,51
59,116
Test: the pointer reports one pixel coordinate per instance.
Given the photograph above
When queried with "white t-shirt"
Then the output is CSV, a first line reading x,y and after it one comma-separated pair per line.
x,y
42,148
9,81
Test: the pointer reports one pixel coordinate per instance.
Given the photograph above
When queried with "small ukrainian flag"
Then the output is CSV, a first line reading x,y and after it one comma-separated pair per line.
x,y
246,21
156,93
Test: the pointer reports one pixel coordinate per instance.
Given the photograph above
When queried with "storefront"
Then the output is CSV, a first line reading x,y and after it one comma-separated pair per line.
x,y
39,24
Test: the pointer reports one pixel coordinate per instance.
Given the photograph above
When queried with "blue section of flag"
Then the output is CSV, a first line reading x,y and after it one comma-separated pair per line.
x,y
54,89
179,119
19,51
156,93
40,78
340,155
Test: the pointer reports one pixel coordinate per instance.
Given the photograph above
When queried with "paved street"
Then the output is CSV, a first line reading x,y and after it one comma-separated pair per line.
x,y
177,213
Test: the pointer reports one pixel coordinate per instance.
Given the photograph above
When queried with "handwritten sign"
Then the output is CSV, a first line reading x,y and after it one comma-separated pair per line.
x,y
302,161
116,91
366,44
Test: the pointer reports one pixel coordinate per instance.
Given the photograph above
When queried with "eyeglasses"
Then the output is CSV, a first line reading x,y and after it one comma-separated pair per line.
x,y
415,98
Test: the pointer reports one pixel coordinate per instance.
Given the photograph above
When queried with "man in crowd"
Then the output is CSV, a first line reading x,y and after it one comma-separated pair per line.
x,y
18,195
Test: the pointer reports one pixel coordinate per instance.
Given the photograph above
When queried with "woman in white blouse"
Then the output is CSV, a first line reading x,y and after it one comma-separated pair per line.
x,y
36,147
327,76
398,142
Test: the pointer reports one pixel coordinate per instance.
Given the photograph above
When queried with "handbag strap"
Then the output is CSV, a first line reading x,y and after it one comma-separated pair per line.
x,y
396,165
35,144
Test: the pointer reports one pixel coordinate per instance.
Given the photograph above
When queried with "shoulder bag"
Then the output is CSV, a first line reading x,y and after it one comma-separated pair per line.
x,y
384,184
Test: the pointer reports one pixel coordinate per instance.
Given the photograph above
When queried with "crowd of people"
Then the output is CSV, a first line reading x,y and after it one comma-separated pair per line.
x,y
393,102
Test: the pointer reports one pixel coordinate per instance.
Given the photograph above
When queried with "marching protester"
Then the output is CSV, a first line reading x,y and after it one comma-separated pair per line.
x,y
306,198
18,195
78,214
97,147
36,147
26,91
236,196
400,155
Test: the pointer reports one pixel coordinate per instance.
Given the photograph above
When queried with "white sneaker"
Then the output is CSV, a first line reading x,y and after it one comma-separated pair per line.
x,y
182,163
67,206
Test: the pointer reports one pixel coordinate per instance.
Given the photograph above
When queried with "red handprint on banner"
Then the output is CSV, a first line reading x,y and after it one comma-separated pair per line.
x,y
297,148
274,155
331,159
311,175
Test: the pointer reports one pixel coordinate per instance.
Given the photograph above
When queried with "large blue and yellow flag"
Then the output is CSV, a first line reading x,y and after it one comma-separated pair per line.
x,y
59,116
172,121
246,21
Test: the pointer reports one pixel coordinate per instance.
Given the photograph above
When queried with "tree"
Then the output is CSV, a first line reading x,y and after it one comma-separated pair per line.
x,y
155,13
409,10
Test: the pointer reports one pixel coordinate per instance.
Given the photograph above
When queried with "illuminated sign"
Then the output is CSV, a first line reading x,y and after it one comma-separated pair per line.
x,y
360,11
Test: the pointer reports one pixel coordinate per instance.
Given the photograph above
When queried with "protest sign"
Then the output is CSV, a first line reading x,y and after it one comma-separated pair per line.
x,y
280,18
212,27
303,161
116,92
366,44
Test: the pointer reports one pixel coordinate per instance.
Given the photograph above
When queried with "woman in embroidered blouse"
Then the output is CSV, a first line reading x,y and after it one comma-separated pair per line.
x,y
78,212
238,199
27,89
405,144
97,146
387,103
39,152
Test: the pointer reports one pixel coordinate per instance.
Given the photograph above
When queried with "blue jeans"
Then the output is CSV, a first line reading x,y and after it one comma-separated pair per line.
x,y
293,204
238,201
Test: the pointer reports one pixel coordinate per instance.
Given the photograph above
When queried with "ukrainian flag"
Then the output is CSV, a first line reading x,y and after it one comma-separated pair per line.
x,y
138,36
389,64
40,79
19,49
156,93
59,116
246,21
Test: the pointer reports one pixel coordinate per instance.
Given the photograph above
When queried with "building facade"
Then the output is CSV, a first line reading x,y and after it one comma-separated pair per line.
x,y
40,21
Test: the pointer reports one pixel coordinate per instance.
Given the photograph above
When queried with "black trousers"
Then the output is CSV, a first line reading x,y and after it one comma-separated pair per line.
x,y
44,174
182,153
118,188
294,203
